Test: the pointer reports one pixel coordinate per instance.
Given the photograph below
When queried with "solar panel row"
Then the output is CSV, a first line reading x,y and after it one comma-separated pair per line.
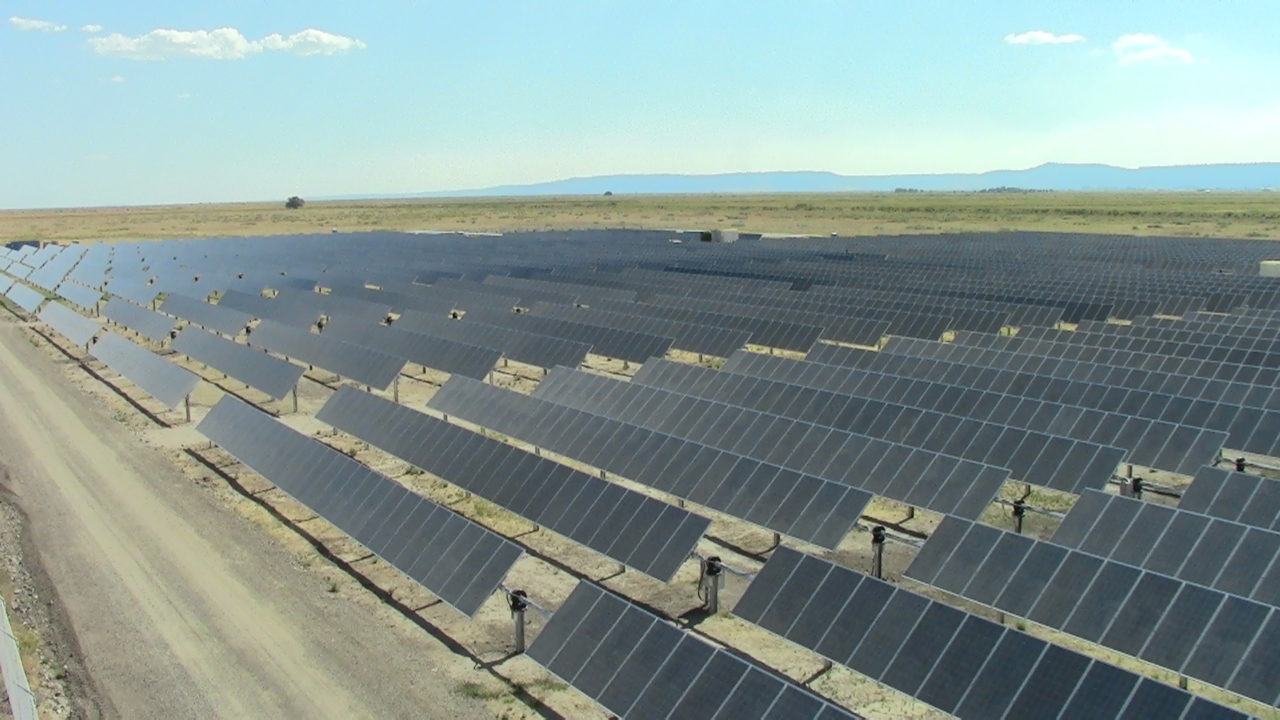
x,y
160,378
1244,414
634,529
795,504
541,350
255,368
457,560
221,319
1232,495
1150,443
147,323
1216,553
364,365
73,326
24,297
921,477
436,353
79,294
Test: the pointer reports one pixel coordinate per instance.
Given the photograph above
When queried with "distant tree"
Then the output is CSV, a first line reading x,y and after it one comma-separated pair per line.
x,y
294,202
608,193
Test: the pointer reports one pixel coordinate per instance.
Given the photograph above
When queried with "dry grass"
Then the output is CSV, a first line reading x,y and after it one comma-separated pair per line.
x,y
1185,214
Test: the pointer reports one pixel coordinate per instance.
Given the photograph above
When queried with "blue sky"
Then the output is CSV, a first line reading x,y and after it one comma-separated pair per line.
x,y
142,102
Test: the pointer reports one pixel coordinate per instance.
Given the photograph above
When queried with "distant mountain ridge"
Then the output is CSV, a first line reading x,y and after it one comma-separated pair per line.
x,y
1049,176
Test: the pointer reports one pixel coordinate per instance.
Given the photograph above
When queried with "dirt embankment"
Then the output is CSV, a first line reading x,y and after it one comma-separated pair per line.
x,y
169,604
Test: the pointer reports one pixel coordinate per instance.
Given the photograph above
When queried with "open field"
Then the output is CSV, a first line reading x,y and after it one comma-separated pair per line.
x,y
1253,215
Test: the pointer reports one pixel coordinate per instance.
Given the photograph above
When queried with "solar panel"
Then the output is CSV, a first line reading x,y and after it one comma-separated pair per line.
x,y
639,666
79,294
225,320
634,529
1217,553
705,339
437,353
272,376
160,378
610,342
150,325
799,505
924,648
6,282
68,323
136,291
24,297
1245,498
456,559
1201,632
18,270
296,314
541,350
364,365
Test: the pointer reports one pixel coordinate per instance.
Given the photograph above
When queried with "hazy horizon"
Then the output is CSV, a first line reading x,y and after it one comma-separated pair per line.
x,y
156,103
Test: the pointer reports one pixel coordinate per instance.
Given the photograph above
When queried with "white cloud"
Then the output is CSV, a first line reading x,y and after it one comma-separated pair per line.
x,y
1042,37
311,42
219,44
91,28
29,25
117,78
1145,48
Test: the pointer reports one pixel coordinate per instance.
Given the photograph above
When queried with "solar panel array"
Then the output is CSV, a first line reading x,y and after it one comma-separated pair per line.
x,y
634,529
160,378
456,559
935,369
637,665
958,662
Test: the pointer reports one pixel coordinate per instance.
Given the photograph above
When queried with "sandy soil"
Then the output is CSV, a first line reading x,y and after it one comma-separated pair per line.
x,y
180,607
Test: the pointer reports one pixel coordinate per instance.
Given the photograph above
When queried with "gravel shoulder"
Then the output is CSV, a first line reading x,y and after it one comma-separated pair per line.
x,y
162,602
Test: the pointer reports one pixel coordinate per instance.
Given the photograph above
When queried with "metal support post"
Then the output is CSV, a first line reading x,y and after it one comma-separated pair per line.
x,y
1136,488
1240,464
186,404
1019,511
709,582
395,389
518,601
295,399
877,552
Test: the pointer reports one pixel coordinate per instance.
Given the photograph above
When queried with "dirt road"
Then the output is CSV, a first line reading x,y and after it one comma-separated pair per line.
x,y
182,608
